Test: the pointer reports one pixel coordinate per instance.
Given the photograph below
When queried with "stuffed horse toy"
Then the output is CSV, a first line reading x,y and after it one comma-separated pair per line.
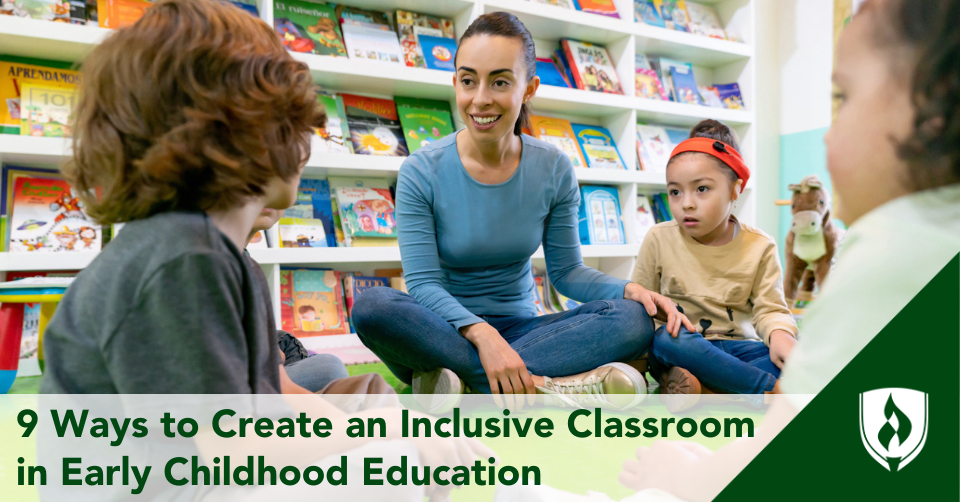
x,y
812,240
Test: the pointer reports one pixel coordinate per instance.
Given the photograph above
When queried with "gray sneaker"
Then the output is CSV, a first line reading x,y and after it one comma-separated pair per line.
x,y
437,391
615,385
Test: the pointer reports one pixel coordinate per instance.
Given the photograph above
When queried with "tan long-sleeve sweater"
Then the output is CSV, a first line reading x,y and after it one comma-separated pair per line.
x,y
730,292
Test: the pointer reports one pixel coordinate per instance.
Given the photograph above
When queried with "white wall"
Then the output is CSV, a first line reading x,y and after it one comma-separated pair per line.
x,y
806,62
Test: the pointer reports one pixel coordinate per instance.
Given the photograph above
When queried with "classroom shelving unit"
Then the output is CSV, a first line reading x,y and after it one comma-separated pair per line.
x,y
715,61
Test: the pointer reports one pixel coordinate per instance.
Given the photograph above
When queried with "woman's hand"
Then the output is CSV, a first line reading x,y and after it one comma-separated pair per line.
x,y
505,369
781,344
655,303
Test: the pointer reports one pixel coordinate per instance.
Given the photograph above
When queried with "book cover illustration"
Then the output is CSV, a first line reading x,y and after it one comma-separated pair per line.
x,y
685,85
366,212
312,209
711,96
649,86
645,12
600,216
374,126
258,241
644,220
598,147
311,303
559,133
592,67
730,96
656,147
548,73
566,4
602,7
13,76
676,135
368,35
331,138
664,67
120,13
674,14
47,10
46,215
308,27
438,52
423,120
410,25
45,111
703,21
355,285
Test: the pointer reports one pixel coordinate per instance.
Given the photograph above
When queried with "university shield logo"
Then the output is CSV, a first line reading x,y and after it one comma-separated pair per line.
x,y
893,425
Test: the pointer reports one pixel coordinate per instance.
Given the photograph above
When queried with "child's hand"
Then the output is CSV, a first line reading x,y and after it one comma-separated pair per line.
x,y
659,306
781,344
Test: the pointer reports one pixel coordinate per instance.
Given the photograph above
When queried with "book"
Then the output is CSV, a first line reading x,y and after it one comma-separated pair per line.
x,y
258,241
644,220
354,286
28,363
312,209
730,96
649,86
685,85
399,283
711,96
332,138
645,12
538,295
78,12
388,272
17,72
592,67
120,13
47,10
46,216
566,4
600,216
703,21
45,111
423,120
559,133
664,68
308,27
366,212
337,223
374,126
368,35
674,14
311,303
563,66
248,6
549,74
438,52
656,147
598,147
363,16
410,25
602,7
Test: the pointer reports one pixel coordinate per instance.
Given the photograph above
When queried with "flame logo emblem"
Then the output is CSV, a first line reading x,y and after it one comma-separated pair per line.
x,y
893,425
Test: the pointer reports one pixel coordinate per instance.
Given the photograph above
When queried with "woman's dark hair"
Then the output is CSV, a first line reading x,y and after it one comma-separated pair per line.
x,y
929,31
504,24
716,130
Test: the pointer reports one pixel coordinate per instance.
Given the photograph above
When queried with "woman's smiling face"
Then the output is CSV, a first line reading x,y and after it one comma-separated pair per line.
x,y
491,85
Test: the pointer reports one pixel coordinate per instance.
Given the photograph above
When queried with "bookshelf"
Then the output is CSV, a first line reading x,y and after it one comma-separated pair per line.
x,y
715,61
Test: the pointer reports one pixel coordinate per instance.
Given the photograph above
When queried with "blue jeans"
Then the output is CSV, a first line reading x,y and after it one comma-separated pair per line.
x,y
315,372
410,338
729,366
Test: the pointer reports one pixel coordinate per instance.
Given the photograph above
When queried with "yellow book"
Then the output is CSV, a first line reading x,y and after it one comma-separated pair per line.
x,y
46,111
13,76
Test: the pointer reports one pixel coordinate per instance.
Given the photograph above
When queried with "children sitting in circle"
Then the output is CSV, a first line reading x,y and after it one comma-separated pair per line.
x,y
724,275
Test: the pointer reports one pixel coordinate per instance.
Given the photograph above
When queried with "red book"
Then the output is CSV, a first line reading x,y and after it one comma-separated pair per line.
x,y
602,7
591,66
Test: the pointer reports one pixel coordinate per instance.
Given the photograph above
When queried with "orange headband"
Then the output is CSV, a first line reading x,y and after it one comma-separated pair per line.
x,y
726,153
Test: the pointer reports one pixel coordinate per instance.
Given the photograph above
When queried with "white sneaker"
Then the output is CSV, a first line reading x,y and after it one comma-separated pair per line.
x,y
615,385
437,391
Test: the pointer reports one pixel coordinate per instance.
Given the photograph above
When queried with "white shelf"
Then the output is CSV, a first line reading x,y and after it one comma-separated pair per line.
x,y
36,38
46,261
35,152
326,256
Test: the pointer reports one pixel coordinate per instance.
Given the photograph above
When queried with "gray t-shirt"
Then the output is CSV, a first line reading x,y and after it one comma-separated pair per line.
x,y
170,306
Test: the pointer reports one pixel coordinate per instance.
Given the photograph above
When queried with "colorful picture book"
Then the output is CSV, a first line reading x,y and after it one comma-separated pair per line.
x,y
311,303
309,222
354,285
302,233
664,68
15,73
591,66
685,85
45,215
374,126
366,212
656,144
649,86
600,216
598,147
410,25
559,133
47,10
308,27
711,96
423,121
730,96
368,35
644,219
704,21
45,111
674,14
333,137
549,74
438,52
602,7
645,12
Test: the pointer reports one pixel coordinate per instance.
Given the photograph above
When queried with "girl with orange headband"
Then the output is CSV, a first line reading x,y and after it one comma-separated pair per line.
x,y
724,275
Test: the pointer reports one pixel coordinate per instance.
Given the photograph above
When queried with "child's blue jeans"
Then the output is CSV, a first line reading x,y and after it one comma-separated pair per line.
x,y
409,337
728,366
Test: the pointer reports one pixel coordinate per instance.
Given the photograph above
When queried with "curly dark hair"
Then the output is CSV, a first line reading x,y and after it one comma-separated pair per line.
x,y
196,106
929,32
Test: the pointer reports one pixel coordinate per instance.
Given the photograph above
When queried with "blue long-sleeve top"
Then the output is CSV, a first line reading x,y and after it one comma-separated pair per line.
x,y
466,246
